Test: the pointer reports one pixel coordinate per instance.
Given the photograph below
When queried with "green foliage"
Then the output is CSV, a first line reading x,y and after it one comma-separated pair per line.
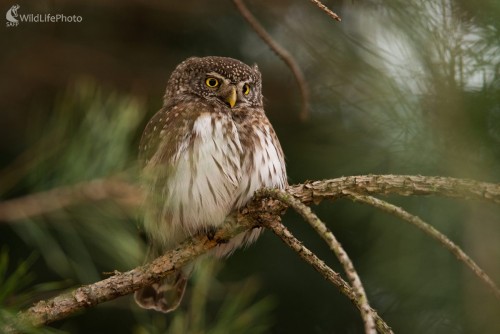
x,y
20,278
15,290
88,136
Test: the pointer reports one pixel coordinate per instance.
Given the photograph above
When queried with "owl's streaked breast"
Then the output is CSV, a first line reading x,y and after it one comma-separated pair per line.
x,y
217,167
205,175
262,166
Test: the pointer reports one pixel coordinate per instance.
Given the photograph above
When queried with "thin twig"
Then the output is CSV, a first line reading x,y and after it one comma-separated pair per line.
x,y
327,10
334,245
281,231
432,232
280,52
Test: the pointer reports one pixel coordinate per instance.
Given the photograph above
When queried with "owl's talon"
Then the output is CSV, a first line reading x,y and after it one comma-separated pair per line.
x,y
210,233
222,241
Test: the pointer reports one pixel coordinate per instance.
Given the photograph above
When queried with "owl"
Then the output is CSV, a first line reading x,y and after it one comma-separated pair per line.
x,y
204,154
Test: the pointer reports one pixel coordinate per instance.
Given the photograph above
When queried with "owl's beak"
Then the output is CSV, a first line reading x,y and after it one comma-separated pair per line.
x,y
231,97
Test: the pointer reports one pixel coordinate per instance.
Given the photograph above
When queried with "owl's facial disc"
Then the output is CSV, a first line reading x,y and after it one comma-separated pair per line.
x,y
227,92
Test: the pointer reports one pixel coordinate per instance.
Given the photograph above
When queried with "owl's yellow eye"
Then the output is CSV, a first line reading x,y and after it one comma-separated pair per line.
x,y
212,82
246,89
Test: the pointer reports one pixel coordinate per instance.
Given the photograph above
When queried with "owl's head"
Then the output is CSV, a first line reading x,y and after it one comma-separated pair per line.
x,y
226,81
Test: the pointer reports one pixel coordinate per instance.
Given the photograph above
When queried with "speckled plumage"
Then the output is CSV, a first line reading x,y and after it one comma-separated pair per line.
x,y
204,155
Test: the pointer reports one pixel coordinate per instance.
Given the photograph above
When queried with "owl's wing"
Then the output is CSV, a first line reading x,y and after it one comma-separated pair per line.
x,y
160,142
163,134
152,135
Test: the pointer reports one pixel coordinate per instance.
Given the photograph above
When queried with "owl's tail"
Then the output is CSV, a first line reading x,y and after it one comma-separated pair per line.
x,y
164,296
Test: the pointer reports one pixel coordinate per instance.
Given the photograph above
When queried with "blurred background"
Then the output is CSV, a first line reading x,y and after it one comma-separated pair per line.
x,y
398,87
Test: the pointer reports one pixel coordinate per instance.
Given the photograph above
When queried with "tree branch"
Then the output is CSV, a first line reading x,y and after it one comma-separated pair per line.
x,y
126,194
281,231
432,232
334,245
121,284
266,212
403,185
130,195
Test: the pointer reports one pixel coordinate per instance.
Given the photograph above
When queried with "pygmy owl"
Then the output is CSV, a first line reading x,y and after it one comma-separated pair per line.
x,y
204,154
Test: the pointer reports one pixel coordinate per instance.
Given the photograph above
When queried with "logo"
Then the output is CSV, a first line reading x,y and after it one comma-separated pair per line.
x,y
11,16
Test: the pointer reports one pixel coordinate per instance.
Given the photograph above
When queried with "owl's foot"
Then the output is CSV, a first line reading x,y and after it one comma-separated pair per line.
x,y
211,232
